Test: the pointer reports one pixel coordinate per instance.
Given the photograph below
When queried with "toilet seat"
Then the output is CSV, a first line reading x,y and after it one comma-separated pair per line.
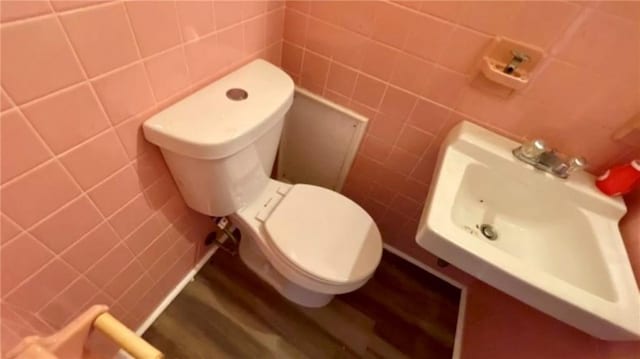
x,y
324,235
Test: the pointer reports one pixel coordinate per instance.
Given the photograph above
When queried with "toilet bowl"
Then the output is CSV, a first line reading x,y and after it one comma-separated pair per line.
x,y
308,242
219,143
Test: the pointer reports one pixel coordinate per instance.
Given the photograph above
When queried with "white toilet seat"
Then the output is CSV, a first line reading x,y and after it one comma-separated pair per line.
x,y
324,235
263,213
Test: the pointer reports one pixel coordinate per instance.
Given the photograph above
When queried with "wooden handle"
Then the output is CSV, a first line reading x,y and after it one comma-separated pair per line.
x,y
127,339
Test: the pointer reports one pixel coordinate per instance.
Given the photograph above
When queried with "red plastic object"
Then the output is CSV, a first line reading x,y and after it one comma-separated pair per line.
x,y
620,180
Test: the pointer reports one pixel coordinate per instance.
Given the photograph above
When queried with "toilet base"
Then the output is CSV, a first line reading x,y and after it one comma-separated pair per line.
x,y
259,264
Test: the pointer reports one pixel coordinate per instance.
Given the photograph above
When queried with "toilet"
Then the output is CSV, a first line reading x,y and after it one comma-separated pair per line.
x,y
220,143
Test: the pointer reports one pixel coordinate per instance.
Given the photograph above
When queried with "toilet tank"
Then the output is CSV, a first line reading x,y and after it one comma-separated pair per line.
x,y
220,142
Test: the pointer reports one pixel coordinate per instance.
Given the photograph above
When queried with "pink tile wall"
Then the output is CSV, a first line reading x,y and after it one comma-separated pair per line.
x,y
90,213
409,67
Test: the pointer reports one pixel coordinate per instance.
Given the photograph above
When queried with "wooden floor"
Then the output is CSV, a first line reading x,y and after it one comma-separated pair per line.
x,y
228,312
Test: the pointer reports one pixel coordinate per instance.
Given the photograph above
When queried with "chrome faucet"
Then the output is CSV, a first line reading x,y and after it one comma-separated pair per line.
x,y
539,156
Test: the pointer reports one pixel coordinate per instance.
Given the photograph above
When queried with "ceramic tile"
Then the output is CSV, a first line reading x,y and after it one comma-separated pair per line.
x,y
89,249
131,216
196,19
61,310
109,266
124,93
37,194
21,147
67,225
56,117
155,25
101,37
38,290
46,65
16,10
12,256
168,73
369,91
93,161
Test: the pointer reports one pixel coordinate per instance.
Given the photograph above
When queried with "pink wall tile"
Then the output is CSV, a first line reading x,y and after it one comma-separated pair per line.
x,y
315,69
90,248
397,103
116,191
124,93
37,194
131,135
121,282
391,24
11,256
8,229
47,64
369,91
401,161
202,58
142,237
376,148
414,140
109,266
155,25
158,247
5,102
62,5
254,34
22,149
386,128
101,37
463,49
227,13
161,191
427,47
557,15
411,73
67,225
45,285
379,60
291,58
56,117
93,161
295,25
429,116
168,73
15,10
136,292
68,303
131,216
196,18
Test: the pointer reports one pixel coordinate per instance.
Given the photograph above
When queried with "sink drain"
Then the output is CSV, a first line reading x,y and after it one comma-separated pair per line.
x,y
489,232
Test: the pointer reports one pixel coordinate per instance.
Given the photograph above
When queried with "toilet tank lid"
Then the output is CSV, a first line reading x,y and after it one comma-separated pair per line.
x,y
215,122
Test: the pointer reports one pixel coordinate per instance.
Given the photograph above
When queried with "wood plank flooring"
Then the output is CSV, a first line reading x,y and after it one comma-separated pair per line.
x,y
228,312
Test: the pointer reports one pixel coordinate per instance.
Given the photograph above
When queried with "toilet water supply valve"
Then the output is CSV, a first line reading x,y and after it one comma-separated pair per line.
x,y
229,231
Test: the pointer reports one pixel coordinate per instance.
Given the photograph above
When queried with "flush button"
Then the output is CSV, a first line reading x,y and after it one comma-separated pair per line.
x,y
237,94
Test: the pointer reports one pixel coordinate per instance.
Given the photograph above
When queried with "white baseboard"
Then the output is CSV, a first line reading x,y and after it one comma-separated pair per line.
x,y
457,346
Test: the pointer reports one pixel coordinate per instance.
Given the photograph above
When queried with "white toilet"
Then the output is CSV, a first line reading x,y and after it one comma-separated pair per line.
x,y
220,143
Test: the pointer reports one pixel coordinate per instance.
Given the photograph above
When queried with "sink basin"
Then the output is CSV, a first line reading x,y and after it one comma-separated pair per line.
x,y
551,243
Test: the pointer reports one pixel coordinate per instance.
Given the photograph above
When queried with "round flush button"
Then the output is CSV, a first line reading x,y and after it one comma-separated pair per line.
x,y
237,94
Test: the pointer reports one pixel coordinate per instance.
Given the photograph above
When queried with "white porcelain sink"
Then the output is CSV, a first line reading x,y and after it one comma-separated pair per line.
x,y
558,246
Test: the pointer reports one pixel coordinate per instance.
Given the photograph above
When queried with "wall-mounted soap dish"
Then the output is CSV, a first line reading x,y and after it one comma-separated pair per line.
x,y
510,63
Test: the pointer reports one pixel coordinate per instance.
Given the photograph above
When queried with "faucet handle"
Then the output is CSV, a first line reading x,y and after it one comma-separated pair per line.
x,y
533,149
576,163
